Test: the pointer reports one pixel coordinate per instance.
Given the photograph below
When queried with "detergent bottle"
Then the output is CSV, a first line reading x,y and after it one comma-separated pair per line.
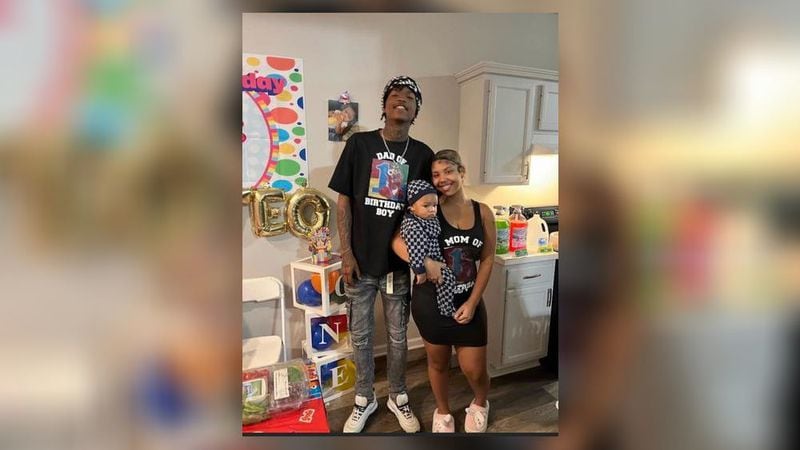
x,y
503,232
519,231
538,234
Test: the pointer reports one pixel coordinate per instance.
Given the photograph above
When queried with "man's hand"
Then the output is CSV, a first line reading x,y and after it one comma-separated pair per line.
x,y
344,219
350,268
433,270
421,278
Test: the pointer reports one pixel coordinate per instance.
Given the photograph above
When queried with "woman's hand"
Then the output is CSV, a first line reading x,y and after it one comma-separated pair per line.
x,y
433,269
465,313
421,278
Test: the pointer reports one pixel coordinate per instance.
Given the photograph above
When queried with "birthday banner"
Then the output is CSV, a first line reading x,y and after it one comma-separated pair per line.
x,y
273,123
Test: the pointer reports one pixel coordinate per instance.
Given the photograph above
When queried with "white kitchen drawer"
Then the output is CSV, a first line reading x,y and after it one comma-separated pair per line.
x,y
526,324
531,274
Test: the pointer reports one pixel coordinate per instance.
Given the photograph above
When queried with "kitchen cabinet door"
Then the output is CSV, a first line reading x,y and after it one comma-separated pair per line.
x,y
526,324
498,121
548,107
508,130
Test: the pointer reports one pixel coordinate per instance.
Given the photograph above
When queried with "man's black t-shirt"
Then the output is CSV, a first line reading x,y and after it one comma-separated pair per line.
x,y
375,180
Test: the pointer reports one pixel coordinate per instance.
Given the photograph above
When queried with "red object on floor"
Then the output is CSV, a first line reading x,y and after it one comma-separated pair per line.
x,y
311,417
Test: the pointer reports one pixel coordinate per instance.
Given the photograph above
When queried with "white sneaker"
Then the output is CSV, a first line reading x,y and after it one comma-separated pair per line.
x,y
443,423
401,409
361,411
477,418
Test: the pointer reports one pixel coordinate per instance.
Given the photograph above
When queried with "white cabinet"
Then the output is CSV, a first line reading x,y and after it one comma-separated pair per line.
x,y
548,107
502,110
526,324
518,303
508,130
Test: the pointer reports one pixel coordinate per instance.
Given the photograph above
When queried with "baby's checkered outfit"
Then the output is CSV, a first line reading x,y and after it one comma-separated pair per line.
x,y
422,239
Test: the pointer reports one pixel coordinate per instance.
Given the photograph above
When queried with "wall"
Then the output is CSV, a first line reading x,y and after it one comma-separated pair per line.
x,y
359,53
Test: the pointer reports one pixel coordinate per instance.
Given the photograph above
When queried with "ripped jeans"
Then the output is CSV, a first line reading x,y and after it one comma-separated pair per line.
x,y
361,317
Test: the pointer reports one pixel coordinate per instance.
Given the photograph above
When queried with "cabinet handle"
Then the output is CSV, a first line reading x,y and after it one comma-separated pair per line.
x,y
532,276
549,297
505,284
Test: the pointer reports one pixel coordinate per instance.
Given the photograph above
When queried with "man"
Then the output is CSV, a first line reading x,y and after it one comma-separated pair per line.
x,y
371,178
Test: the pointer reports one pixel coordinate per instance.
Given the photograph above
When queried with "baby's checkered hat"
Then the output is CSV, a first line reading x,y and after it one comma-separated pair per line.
x,y
418,188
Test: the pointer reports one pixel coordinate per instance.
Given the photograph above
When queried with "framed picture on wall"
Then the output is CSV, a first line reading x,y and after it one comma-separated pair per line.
x,y
342,120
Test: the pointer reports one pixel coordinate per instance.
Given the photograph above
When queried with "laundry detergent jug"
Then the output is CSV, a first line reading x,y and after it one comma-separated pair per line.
x,y
503,232
519,231
538,235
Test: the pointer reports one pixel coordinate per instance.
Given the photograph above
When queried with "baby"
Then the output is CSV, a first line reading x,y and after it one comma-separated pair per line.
x,y
420,229
340,122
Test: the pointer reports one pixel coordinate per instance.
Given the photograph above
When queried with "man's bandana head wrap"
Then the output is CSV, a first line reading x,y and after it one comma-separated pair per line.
x,y
399,82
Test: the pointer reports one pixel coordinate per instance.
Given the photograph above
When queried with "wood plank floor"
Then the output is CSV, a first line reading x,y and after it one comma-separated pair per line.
x,y
521,402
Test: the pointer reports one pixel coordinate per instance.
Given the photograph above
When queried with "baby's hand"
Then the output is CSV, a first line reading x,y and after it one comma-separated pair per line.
x,y
433,269
421,278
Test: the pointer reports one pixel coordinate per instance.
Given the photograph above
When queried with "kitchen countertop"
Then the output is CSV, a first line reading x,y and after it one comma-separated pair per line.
x,y
509,259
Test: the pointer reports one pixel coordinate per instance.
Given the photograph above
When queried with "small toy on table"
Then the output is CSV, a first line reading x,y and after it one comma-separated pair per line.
x,y
320,246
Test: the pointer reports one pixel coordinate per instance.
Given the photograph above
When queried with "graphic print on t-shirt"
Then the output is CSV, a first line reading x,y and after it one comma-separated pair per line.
x,y
387,180
461,262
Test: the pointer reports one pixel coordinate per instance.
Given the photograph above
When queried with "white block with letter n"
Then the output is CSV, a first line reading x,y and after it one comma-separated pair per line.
x,y
326,335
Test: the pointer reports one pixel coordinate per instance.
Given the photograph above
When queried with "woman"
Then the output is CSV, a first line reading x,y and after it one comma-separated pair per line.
x,y
468,236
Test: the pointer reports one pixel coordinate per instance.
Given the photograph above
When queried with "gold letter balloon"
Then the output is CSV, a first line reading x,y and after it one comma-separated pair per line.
x,y
265,219
306,211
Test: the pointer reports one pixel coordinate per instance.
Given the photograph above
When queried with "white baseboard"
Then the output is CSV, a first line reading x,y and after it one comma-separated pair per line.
x,y
414,343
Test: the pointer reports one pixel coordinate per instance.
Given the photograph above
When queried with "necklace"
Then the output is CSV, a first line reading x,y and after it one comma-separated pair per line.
x,y
408,138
